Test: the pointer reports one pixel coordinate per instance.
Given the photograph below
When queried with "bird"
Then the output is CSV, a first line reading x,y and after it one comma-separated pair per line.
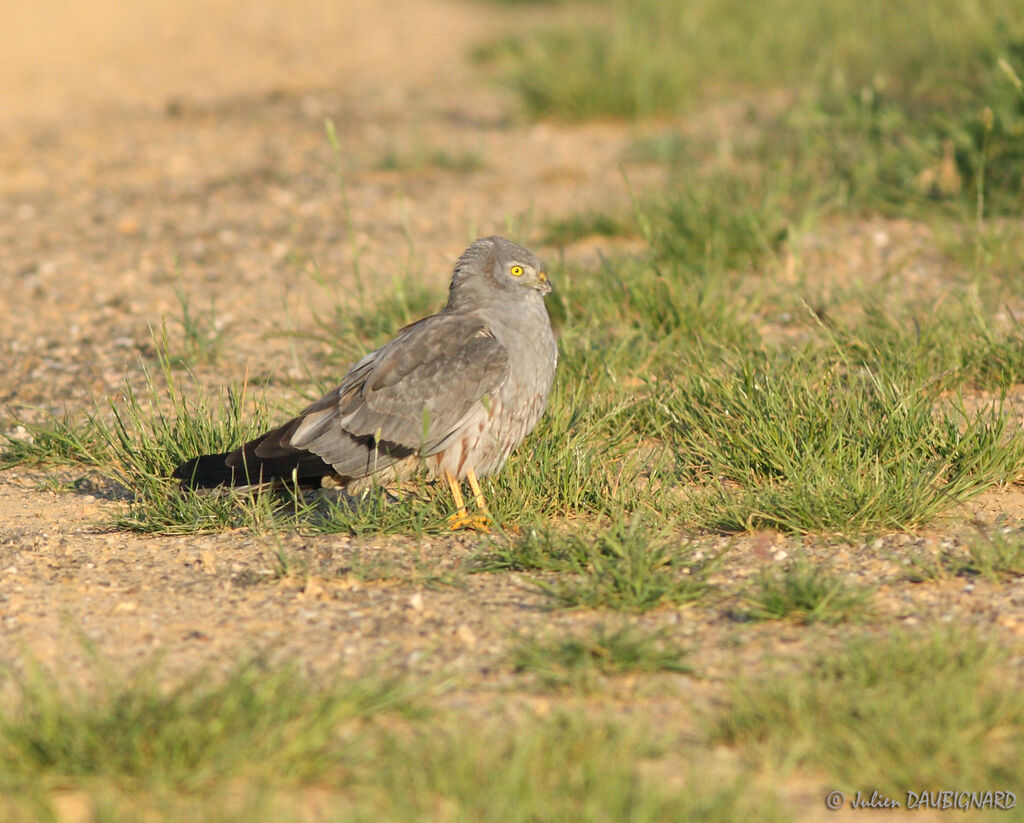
x,y
454,393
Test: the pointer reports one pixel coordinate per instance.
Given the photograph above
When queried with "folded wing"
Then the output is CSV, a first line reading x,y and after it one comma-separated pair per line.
x,y
411,396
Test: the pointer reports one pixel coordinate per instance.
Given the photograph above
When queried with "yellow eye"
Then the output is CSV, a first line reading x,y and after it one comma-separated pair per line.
x,y
516,271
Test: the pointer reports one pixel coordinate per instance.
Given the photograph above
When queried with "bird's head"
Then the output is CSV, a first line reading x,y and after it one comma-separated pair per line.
x,y
496,266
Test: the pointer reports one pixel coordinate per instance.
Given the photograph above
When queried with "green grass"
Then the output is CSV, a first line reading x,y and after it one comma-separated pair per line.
x,y
150,432
951,158
873,714
719,224
806,592
800,442
256,721
563,231
996,555
265,742
536,549
579,660
51,439
627,566
418,508
535,67
424,159
566,768
917,108
201,337
659,56
137,439
952,345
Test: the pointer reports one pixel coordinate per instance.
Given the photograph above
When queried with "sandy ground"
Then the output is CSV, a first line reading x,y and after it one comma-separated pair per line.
x,y
154,149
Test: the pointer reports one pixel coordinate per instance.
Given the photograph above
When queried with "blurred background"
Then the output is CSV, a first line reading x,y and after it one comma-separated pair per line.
x,y
65,60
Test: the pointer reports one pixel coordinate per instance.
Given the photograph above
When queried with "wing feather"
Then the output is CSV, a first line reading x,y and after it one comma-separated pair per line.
x,y
410,395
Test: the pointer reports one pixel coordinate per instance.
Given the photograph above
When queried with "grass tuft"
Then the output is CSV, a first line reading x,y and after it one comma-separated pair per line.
x,y
141,436
717,224
997,555
150,433
416,508
630,567
805,592
201,337
578,661
58,440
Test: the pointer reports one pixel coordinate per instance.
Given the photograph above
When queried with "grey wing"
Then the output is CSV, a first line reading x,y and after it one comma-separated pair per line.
x,y
411,395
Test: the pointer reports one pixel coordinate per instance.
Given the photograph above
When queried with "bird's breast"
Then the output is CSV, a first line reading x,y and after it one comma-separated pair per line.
x,y
533,355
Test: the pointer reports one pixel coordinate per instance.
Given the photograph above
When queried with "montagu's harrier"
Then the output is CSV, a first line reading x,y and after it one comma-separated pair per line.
x,y
457,392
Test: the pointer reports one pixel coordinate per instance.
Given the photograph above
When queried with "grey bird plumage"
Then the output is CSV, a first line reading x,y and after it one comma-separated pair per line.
x,y
456,391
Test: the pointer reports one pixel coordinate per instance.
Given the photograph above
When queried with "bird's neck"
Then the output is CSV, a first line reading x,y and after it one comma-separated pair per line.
x,y
462,298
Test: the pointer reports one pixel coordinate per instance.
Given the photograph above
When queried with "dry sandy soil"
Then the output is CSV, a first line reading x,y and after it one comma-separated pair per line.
x,y
159,147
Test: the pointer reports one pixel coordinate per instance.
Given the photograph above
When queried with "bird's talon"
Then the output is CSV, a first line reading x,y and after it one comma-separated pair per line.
x,y
476,522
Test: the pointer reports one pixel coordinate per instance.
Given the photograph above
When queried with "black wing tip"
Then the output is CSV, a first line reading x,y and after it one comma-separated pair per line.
x,y
209,471
205,471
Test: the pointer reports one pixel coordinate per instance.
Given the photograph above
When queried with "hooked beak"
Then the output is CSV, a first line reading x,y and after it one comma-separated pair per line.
x,y
543,285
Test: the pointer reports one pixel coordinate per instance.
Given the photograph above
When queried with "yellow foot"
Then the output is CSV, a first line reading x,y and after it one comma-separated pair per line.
x,y
464,520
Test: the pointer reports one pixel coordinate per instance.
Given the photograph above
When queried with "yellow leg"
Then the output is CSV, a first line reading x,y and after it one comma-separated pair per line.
x,y
478,495
462,519
460,504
